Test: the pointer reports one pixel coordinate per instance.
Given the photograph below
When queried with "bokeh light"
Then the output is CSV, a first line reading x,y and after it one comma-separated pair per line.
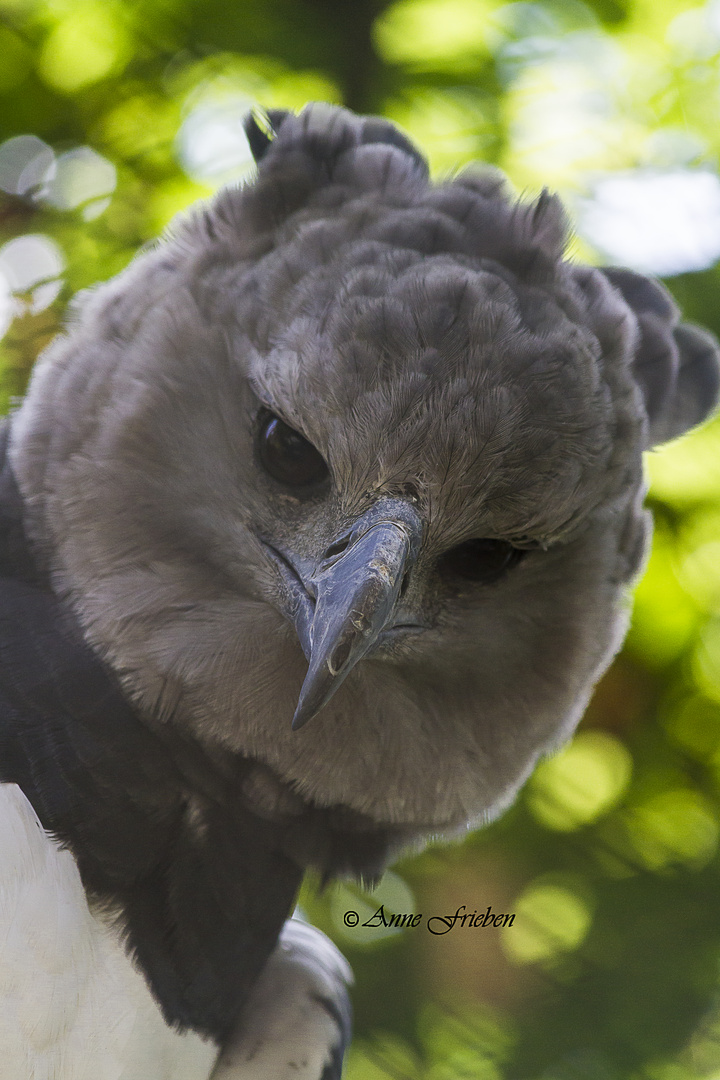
x,y
550,920
581,783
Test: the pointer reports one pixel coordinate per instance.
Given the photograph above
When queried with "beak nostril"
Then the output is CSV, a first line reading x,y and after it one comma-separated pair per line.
x,y
340,656
337,547
405,583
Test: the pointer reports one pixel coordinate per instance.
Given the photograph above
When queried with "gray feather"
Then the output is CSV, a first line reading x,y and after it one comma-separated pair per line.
x,y
425,338
676,365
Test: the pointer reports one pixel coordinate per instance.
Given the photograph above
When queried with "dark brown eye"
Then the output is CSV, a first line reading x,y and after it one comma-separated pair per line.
x,y
289,457
483,561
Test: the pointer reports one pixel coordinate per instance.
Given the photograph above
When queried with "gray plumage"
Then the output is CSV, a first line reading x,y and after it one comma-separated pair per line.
x,y
473,395
420,335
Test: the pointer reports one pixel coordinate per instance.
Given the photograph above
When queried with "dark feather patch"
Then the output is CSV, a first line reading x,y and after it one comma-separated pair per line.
x,y
160,831
15,555
261,130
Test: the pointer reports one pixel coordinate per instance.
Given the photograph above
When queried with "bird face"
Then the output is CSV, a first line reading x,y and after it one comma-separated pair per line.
x,y
415,460
371,464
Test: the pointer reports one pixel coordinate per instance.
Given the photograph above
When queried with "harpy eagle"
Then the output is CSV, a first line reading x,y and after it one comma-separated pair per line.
x,y
316,528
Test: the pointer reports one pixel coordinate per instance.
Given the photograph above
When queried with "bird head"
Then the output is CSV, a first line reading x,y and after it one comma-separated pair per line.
x,y
345,474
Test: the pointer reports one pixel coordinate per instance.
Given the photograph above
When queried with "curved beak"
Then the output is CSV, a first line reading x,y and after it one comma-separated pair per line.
x,y
357,588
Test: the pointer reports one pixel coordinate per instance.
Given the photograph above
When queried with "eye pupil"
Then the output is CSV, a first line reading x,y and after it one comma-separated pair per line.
x,y
288,457
481,560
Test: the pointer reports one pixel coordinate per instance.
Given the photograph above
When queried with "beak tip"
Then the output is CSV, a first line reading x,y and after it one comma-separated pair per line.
x,y
299,719
307,707
318,688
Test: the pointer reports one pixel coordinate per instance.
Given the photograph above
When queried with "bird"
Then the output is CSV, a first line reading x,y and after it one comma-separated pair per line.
x,y
317,526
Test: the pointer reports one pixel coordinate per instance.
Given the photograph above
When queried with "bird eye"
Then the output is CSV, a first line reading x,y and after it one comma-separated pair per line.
x,y
483,561
288,457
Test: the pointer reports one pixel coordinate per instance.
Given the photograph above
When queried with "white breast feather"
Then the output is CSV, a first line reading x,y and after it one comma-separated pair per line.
x,y
72,1004
74,1007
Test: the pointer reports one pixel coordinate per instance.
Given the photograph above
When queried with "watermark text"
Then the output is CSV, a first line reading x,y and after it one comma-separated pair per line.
x,y
464,917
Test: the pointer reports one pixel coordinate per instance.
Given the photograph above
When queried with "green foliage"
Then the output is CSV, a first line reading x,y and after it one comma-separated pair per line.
x,y
610,858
